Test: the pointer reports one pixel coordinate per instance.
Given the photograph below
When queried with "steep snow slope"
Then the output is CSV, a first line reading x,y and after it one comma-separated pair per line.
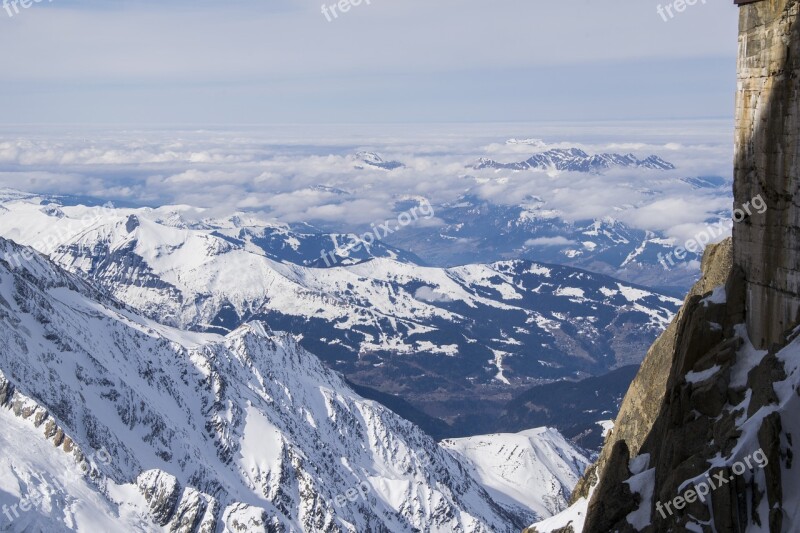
x,y
43,488
248,431
536,469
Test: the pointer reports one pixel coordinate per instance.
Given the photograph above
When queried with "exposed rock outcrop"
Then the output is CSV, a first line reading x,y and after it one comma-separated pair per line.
x,y
642,403
720,387
767,245
678,422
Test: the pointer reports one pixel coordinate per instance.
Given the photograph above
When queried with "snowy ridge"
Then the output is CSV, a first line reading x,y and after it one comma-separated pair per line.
x,y
535,469
576,160
203,277
246,431
476,230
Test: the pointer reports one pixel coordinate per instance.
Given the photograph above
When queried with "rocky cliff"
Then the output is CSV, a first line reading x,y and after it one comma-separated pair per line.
x,y
766,245
704,439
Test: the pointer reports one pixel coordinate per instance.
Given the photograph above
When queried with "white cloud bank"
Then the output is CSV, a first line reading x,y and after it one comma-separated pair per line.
x,y
308,174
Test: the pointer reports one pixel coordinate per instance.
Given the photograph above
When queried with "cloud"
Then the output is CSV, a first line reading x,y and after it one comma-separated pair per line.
x,y
549,241
306,174
428,294
675,214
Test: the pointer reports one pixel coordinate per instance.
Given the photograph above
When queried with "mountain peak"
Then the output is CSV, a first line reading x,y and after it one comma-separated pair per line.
x,y
203,429
576,160
374,160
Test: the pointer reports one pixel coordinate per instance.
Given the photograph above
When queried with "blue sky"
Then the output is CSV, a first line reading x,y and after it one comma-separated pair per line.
x,y
282,61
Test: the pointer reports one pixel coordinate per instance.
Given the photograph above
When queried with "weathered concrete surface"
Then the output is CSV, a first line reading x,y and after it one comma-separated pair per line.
x,y
767,246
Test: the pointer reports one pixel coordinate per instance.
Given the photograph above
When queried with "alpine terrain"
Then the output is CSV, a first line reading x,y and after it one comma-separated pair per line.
x,y
113,421
449,341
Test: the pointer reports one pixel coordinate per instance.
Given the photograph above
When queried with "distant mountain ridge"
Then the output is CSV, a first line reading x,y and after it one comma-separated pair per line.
x,y
576,160
476,230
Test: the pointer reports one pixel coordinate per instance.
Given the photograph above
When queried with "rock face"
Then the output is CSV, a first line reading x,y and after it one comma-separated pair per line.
x,y
642,403
716,401
767,128
672,417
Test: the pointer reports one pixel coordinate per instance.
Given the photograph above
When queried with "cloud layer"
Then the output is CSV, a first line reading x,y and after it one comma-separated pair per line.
x,y
309,174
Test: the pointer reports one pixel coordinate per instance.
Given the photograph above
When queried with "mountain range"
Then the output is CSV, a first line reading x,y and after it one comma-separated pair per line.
x,y
576,160
454,343
116,421
475,230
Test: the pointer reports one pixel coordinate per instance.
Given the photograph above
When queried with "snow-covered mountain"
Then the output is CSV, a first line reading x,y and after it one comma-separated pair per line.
x,y
300,245
470,230
475,230
576,160
536,469
579,409
467,332
196,432
296,243
371,159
